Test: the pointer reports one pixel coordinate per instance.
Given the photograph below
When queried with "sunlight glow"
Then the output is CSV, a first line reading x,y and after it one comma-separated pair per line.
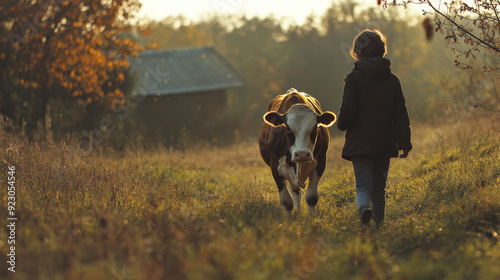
x,y
292,11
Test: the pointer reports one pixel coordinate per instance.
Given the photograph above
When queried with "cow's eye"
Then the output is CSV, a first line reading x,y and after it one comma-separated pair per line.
x,y
291,135
314,133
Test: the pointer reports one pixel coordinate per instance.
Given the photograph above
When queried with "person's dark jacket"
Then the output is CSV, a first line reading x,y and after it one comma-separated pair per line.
x,y
373,111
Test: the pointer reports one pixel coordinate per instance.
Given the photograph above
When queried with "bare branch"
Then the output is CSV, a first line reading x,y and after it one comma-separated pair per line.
x,y
495,10
496,49
477,105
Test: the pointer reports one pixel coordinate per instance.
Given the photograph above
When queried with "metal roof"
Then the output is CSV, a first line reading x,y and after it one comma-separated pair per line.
x,y
182,71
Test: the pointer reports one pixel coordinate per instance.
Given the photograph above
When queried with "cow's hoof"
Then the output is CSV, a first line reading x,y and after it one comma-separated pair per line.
x,y
312,210
312,201
288,208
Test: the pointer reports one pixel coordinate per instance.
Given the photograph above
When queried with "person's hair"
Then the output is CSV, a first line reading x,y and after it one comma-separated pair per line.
x,y
369,43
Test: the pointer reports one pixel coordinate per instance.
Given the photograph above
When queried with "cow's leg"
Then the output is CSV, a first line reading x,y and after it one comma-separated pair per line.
x,y
295,195
312,191
285,198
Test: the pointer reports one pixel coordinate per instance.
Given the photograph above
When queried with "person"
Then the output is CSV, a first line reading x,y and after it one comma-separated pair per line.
x,y
373,113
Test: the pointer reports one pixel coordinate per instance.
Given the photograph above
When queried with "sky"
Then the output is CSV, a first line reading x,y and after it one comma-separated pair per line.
x,y
295,11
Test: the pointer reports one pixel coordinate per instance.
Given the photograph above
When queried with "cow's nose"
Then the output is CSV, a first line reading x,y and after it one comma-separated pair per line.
x,y
303,156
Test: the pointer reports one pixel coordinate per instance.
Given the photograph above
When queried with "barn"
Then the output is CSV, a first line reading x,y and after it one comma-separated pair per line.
x,y
183,95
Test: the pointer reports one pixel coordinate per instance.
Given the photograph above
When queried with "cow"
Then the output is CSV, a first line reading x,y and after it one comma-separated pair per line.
x,y
293,141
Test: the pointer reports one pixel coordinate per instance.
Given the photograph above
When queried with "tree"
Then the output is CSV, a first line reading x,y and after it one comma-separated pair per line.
x,y
64,49
471,26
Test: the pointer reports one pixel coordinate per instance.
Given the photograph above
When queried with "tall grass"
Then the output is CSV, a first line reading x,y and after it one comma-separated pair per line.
x,y
215,214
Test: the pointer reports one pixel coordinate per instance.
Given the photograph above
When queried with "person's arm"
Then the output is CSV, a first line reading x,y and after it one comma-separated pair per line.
x,y
348,106
402,123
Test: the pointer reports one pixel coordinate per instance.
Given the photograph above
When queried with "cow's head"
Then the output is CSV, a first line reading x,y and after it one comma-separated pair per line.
x,y
302,128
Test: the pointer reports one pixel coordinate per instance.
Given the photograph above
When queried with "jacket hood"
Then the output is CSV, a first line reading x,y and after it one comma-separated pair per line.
x,y
374,67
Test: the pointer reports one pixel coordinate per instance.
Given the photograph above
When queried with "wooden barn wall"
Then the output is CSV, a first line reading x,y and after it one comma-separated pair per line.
x,y
180,121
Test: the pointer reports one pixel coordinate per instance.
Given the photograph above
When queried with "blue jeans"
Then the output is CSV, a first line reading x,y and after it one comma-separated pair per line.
x,y
371,177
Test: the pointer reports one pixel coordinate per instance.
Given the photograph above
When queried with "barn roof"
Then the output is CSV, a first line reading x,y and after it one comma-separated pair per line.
x,y
182,71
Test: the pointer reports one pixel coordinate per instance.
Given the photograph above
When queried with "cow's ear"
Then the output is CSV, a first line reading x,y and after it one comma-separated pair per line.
x,y
327,119
274,119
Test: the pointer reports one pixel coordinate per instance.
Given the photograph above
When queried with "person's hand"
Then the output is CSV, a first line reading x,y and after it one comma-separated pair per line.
x,y
404,154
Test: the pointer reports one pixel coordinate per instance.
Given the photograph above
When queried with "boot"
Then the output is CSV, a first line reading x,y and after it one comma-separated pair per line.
x,y
365,214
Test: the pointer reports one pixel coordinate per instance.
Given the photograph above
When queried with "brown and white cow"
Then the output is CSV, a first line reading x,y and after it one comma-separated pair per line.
x,y
294,141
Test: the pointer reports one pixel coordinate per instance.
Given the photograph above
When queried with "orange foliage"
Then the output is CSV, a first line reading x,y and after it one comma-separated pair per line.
x,y
67,47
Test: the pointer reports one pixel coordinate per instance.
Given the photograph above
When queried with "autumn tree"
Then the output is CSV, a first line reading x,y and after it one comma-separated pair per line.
x,y
470,26
64,49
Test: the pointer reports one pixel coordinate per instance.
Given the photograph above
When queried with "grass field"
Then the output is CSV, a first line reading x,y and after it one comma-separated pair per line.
x,y
215,214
